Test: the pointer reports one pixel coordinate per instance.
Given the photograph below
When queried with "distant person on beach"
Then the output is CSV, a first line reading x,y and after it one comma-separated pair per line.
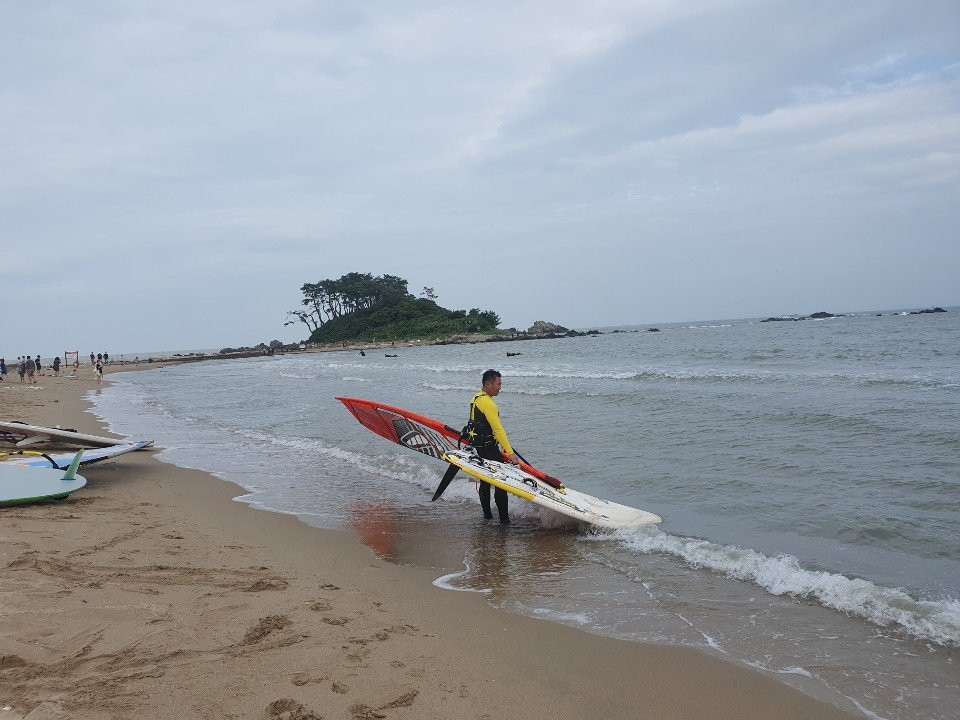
x,y
31,369
3,369
106,358
99,367
39,367
56,366
92,359
485,433
21,367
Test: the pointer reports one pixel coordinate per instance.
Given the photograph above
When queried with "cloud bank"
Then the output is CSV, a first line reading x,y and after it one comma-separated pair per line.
x,y
177,171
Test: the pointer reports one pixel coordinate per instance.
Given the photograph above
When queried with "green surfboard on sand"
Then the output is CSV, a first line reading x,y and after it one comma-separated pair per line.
x,y
22,485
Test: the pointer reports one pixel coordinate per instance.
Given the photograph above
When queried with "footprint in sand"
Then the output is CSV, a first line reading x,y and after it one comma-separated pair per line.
x,y
359,711
301,679
264,585
289,709
263,628
405,700
336,620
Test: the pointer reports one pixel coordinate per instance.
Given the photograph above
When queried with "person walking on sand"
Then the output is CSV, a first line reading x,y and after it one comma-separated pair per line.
x,y
56,366
21,367
92,359
39,367
484,433
31,369
3,369
99,367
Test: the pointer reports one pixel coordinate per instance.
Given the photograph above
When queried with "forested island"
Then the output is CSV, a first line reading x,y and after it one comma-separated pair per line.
x,y
363,307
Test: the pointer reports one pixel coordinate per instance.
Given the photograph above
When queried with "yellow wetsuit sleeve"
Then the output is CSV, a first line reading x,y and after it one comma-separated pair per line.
x,y
485,404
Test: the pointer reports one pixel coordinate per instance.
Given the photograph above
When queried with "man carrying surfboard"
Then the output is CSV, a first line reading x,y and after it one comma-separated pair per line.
x,y
484,432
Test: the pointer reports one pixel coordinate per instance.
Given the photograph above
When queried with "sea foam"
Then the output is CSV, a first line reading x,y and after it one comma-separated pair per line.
x,y
935,620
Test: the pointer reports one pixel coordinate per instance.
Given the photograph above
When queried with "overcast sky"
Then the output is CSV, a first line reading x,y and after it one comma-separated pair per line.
x,y
171,173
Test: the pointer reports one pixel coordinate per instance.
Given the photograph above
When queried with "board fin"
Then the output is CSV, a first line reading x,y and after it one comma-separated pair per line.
x,y
72,470
446,480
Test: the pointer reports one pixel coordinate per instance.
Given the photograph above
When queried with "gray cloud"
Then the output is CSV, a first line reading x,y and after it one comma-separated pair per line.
x,y
182,168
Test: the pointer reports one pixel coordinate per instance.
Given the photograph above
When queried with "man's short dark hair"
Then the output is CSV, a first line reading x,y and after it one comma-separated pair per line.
x,y
490,375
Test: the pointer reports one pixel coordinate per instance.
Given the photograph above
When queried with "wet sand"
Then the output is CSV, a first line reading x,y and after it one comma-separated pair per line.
x,y
150,593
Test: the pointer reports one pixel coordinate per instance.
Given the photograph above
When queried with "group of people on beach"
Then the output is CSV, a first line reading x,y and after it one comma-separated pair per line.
x,y
98,362
28,368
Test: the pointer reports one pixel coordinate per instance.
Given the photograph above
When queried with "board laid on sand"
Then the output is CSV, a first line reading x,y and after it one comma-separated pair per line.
x,y
433,438
23,435
21,485
35,459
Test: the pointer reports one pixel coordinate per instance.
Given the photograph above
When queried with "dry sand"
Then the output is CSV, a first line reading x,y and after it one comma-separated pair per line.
x,y
149,594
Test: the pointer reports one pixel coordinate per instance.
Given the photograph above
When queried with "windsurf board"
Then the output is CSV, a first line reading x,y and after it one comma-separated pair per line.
x,y
571,503
21,485
440,441
35,459
24,435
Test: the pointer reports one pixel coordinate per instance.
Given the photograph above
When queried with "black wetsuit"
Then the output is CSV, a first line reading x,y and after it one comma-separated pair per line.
x,y
486,446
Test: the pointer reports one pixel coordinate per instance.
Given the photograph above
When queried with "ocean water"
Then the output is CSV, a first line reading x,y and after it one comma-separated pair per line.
x,y
808,475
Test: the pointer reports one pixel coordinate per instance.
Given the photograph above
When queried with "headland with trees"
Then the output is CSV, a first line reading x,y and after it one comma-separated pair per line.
x,y
361,307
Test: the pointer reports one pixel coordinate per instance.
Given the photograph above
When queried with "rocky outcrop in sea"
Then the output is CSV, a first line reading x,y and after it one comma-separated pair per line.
x,y
815,316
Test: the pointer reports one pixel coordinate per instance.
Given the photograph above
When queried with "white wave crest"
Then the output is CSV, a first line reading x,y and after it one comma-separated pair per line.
x,y
937,621
444,388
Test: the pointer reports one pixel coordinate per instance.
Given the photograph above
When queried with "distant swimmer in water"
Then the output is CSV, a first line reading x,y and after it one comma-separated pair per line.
x,y
509,354
386,355
362,353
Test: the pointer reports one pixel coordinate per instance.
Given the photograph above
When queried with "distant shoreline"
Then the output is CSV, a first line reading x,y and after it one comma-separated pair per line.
x,y
470,339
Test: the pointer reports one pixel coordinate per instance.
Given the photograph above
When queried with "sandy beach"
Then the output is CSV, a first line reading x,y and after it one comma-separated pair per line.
x,y
151,594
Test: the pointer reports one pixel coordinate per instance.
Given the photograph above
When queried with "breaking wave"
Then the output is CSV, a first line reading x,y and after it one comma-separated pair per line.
x,y
937,621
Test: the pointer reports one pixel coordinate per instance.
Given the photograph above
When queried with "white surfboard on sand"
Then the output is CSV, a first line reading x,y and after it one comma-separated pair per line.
x,y
22,485
24,435
36,459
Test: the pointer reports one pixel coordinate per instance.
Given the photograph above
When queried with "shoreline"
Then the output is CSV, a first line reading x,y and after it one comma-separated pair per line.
x,y
154,577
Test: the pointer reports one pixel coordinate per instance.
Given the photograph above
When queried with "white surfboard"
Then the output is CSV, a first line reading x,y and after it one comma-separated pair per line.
x,y
569,502
36,459
23,435
21,485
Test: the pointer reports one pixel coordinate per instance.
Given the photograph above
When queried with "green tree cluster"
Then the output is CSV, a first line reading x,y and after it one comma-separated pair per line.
x,y
360,306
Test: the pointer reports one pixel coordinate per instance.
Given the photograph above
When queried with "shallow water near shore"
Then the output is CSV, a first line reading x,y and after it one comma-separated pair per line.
x,y
808,475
